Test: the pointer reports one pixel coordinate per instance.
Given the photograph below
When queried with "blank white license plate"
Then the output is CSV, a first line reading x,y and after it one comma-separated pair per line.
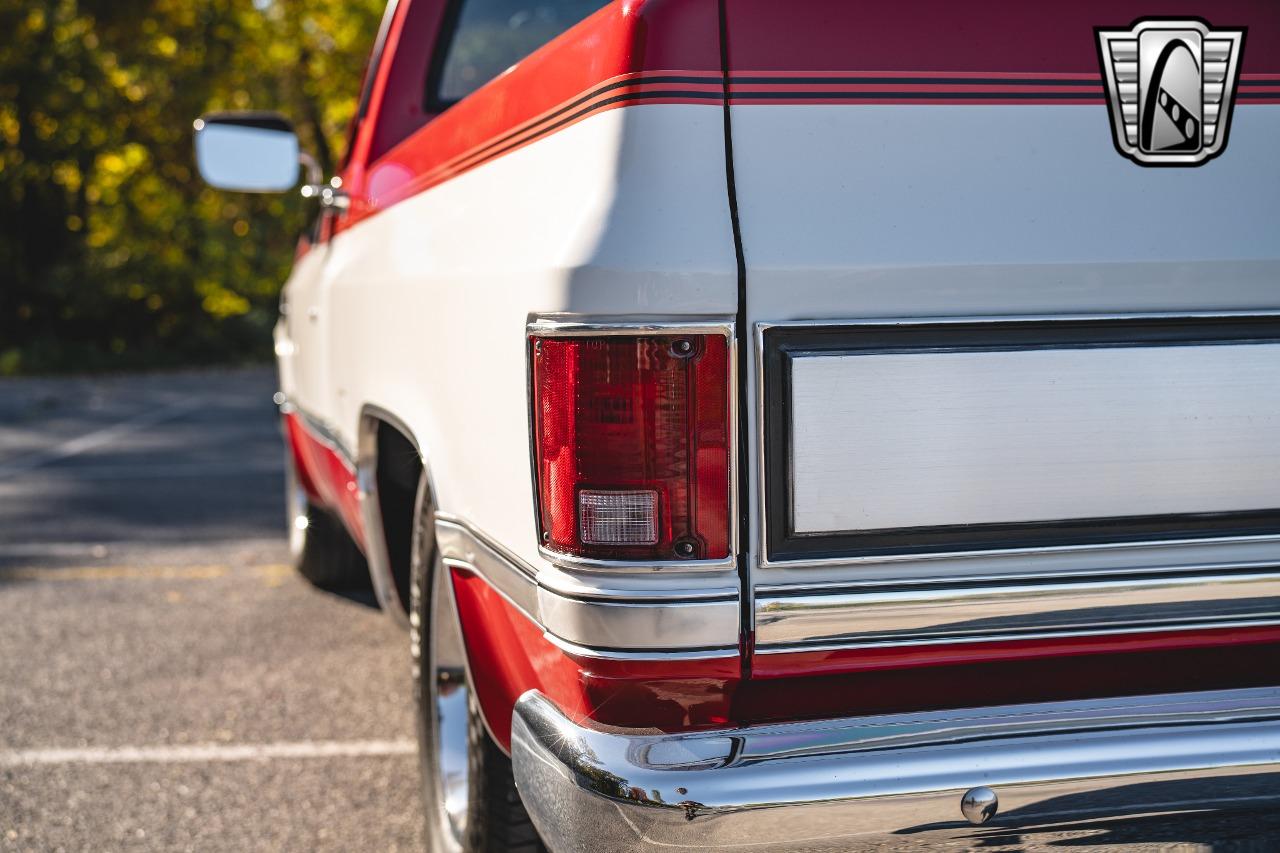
x,y
891,440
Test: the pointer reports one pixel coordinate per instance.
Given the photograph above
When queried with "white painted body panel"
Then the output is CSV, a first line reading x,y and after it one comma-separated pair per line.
x,y
300,341
905,211
425,303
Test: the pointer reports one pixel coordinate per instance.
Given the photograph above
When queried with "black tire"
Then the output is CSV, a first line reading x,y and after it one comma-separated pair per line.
x,y
320,547
329,558
486,815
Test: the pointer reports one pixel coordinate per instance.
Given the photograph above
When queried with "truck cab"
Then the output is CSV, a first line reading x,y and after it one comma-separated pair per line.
x,y
802,426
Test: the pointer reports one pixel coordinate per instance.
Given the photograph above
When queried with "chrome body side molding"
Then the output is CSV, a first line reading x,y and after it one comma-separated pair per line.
x,y
847,784
657,623
460,546
1017,610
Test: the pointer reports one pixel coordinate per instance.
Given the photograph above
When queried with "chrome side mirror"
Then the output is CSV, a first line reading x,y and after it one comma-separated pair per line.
x,y
248,152
257,152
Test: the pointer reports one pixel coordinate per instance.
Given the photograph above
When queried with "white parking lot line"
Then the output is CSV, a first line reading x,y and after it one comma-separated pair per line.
x,y
208,752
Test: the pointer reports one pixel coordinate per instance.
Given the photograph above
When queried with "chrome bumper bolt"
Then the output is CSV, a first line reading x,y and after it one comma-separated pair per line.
x,y
979,805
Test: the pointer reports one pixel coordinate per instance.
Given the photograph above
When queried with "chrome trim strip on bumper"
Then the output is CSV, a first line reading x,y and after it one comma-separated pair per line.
x,y
972,613
842,784
641,625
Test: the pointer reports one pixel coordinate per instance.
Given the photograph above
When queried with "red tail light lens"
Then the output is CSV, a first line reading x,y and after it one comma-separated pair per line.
x,y
631,442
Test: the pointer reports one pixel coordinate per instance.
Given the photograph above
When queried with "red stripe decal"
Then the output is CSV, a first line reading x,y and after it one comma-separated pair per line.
x,y
657,87
918,87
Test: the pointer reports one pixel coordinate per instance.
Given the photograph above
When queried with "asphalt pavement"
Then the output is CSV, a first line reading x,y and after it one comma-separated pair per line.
x,y
166,681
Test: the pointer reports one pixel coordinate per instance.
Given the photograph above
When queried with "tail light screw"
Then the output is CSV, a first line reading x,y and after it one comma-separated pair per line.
x,y
685,548
682,348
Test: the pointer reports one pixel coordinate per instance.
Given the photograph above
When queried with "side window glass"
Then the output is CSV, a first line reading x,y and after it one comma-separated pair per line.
x,y
489,36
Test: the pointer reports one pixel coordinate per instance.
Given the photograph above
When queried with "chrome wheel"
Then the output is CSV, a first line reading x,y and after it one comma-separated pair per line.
x,y
449,713
468,792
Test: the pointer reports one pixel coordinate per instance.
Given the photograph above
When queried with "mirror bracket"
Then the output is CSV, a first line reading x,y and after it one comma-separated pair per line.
x,y
314,175
331,195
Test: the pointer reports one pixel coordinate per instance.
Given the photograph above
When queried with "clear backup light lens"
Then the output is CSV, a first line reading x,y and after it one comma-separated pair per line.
x,y
631,443
618,518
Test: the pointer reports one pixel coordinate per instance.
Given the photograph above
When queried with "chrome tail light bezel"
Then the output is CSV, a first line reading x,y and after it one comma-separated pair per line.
x,y
551,326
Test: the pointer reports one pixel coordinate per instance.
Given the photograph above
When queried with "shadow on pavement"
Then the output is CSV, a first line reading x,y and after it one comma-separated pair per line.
x,y
175,460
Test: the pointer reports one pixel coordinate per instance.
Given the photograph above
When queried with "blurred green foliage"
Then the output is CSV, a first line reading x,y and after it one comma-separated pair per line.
x,y
113,253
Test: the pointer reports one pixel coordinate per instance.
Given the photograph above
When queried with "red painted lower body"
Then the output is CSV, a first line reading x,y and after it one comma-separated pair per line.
x,y
509,655
325,474
842,683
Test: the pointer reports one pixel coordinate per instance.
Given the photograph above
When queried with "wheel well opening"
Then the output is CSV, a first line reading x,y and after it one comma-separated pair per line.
x,y
398,470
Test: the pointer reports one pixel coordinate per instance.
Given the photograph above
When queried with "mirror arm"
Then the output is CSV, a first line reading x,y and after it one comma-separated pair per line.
x,y
314,175
331,195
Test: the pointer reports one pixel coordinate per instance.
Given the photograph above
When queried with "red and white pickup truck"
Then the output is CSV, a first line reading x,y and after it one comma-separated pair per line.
x,y
785,425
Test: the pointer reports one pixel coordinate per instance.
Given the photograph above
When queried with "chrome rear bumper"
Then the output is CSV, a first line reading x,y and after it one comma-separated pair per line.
x,y
845,784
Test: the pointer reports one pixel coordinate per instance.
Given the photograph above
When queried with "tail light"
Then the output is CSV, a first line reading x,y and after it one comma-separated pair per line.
x,y
631,444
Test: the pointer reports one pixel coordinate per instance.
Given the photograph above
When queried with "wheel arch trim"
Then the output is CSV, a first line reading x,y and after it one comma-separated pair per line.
x,y
380,570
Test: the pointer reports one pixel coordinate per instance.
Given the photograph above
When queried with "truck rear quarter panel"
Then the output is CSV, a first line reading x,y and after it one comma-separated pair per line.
x,y
522,199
